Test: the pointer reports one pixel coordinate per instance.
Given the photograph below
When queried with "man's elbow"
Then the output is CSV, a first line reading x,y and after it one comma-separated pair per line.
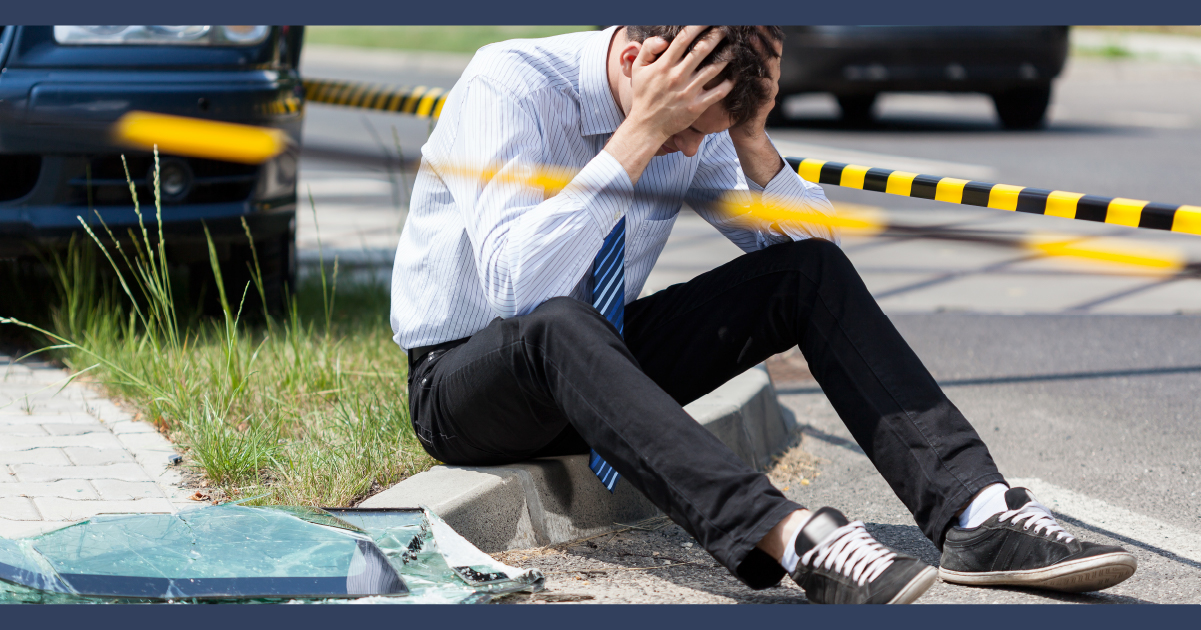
x,y
504,304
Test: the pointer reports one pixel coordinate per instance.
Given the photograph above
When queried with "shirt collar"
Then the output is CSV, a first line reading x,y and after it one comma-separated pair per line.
x,y
600,111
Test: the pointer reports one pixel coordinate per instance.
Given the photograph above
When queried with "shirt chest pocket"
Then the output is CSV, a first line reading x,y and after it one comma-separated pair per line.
x,y
651,238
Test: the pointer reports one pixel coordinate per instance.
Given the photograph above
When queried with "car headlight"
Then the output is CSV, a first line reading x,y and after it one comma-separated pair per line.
x,y
188,35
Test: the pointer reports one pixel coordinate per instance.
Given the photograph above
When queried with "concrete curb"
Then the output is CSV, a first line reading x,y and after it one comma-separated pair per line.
x,y
557,499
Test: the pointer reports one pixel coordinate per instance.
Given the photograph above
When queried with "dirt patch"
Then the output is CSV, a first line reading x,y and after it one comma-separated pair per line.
x,y
653,561
663,566
789,369
794,466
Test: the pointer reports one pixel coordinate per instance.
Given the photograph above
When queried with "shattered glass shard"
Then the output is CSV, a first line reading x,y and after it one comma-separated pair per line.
x,y
240,553
479,575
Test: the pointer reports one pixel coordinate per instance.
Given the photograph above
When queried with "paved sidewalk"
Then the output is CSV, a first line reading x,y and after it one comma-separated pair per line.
x,y
67,454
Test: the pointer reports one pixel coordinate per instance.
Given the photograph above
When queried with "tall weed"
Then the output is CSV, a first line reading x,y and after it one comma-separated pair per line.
x,y
290,411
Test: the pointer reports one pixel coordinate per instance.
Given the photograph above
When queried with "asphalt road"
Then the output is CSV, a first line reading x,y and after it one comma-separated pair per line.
x,y
1098,414
1117,128
1082,377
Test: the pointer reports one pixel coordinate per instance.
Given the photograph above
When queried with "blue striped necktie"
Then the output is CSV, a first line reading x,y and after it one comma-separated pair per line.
x,y
609,297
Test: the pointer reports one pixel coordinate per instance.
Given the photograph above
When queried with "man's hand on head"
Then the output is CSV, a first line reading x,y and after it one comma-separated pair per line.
x,y
759,159
670,91
754,127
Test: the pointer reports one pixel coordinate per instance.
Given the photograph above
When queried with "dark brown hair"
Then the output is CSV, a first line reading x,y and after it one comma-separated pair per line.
x,y
744,48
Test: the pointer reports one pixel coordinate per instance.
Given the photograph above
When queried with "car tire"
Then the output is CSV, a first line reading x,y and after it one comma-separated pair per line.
x,y
857,108
1024,107
277,263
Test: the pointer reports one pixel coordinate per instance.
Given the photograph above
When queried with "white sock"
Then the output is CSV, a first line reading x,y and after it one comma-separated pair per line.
x,y
790,559
991,500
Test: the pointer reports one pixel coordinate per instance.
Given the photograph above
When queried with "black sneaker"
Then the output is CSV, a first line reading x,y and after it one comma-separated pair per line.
x,y
1025,546
842,564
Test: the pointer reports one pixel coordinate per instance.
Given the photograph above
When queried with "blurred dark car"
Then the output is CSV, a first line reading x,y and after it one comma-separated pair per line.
x,y
62,86
1013,64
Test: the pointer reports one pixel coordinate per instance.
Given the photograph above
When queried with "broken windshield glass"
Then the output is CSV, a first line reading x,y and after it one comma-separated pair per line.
x,y
241,553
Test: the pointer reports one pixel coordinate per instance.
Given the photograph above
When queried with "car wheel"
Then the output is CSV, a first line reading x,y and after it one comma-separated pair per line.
x,y
1023,108
277,263
856,108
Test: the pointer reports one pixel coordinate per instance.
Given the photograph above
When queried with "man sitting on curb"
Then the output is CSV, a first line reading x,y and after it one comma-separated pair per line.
x,y
526,337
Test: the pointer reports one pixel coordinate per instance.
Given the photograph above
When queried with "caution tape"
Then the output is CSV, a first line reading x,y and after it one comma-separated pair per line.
x,y
196,137
427,103
421,101
244,143
1052,203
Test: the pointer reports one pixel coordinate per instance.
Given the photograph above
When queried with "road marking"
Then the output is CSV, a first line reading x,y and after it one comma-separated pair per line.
x,y
1097,513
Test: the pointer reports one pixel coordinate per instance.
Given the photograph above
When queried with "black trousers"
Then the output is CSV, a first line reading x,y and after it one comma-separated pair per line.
x,y
561,379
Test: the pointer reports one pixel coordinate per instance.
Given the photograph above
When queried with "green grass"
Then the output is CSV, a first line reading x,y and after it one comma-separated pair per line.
x,y
1194,31
1109,51
306,409
461,39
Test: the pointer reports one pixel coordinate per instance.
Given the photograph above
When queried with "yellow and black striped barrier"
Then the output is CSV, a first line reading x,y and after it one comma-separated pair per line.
x,y
427,103
279,107
243,143
1052,203
420,101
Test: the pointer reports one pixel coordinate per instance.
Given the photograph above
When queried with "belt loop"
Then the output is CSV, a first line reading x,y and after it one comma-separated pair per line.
x,y
417,354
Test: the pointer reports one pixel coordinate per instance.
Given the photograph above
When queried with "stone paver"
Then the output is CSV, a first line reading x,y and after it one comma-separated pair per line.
x,y
46,456
118,490
106,411
23,430
87,456
38,406
127,427
18,509
76,428
66,488
55,508
148,443
12,528
67,453
37,472
94,440
57,428
48,418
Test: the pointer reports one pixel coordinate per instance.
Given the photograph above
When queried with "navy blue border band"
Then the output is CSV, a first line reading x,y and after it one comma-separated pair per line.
x,y
949,12
493,617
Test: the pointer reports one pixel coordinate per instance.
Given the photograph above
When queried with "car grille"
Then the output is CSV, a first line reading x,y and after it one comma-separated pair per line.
x,y
213,181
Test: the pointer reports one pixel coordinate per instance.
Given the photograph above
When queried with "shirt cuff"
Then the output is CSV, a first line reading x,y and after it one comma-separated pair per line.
x,y
603,189
787,181
789,190
754,187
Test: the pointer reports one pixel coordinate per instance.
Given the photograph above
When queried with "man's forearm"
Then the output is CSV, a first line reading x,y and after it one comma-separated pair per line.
x,y
759,159
633,145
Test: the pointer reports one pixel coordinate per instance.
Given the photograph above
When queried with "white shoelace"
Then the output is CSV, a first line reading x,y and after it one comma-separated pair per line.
x,y
851,551
1038,517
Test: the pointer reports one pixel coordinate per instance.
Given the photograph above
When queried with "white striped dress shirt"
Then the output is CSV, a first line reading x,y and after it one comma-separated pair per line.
x,y
476,248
